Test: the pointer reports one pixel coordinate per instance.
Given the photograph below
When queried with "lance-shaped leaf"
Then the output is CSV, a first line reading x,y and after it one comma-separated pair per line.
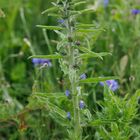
x,y
79,3
50,95
60,34
94,30
81,25
80,11
99,122
54,56
86,10
104,53
52,9
90,54
98,79
44,102
56,109
58,119
50,27
54,15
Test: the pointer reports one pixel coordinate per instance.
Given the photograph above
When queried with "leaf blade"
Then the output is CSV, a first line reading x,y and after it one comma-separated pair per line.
x,y
50,27
54,56
98,79
50,95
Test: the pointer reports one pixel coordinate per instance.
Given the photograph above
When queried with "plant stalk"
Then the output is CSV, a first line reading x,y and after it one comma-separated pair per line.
x,y
72,74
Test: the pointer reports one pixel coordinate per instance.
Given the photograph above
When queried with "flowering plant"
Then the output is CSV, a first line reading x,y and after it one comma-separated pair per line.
x,y
72,50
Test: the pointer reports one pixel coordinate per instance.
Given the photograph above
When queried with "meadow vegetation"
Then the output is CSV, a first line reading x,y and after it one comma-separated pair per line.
x,y
69,70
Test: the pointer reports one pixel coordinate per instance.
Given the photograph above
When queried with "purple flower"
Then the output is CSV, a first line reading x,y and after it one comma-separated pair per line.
x,y
68,115
61,21
112,84
41,61
106,2
83,76
135,11
67,93
81,104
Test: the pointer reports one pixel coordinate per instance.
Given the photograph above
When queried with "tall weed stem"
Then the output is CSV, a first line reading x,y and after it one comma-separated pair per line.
x,y
72,74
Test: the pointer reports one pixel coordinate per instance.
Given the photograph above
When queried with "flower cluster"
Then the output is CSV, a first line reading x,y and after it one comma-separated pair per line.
x,y
41,61
112,84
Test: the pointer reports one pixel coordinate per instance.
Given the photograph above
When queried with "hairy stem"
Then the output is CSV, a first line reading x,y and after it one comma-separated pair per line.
x,y
73,79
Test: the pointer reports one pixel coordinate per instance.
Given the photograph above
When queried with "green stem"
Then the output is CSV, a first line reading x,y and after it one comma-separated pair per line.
x,y
73,80
76,119
77,127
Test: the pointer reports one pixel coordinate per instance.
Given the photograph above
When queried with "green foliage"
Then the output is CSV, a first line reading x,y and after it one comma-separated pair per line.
x,y
115,120
32,100
20,69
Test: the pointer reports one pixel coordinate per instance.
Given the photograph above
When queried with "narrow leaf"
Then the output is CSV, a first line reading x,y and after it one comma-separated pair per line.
x,y
90,30
50,95
85,30
85,25
81,12
104,53
86,10
50,27
54,15
52,9
56,109
98,79
54,56
90,55
79,3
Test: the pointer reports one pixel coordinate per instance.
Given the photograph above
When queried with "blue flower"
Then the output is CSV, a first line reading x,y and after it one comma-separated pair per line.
x,y
81,104
83,76
61,21
68,115
135,11
112,84
106,2
41,61
67,93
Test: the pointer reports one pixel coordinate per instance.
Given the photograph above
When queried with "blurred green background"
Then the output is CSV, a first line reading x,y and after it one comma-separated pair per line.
x,y
20,38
